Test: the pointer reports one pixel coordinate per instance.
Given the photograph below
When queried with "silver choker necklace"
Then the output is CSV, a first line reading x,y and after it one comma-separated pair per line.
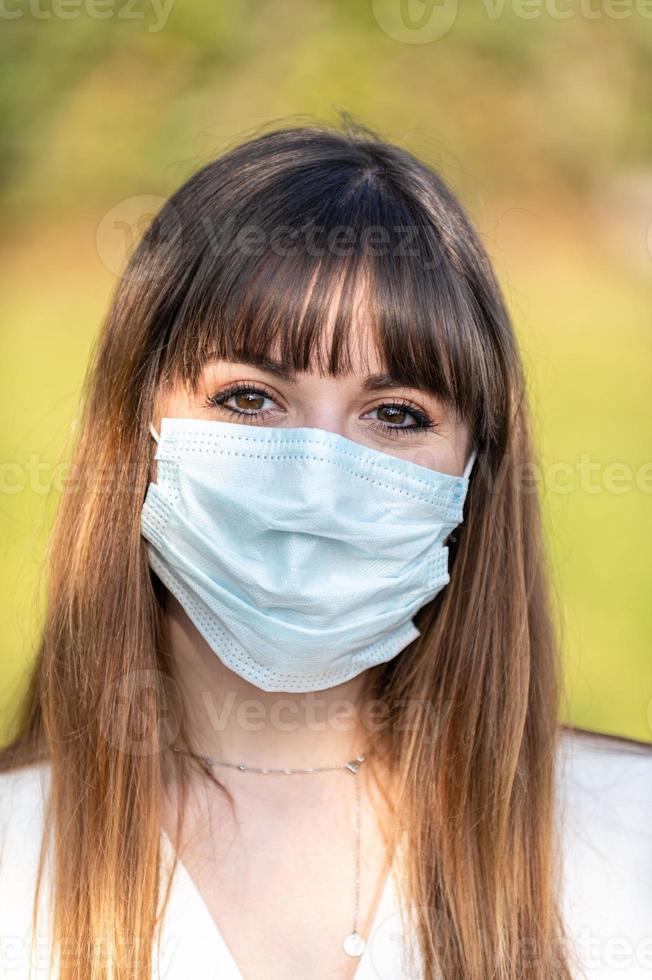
x,y
353,944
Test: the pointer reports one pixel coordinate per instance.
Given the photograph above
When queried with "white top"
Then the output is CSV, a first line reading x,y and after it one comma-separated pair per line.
x,y
606,823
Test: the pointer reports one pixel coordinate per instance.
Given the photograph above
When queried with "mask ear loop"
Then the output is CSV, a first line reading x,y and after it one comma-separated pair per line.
x,y
154,432
469,465
452,537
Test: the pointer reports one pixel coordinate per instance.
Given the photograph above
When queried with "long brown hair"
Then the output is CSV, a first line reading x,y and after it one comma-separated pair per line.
x,y
243,259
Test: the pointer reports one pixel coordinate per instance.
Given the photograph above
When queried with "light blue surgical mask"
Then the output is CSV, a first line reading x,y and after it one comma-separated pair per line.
x,y
301,556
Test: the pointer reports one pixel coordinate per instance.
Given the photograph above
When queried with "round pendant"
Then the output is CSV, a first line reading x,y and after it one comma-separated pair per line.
x,y
353,944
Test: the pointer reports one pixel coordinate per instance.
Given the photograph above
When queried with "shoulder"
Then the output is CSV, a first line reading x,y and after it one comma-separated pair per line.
x,y
608,779
618,767
23,795
22,790
605,809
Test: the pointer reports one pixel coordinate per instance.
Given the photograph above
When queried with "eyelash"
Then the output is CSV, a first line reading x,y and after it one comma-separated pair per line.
x,y
423,423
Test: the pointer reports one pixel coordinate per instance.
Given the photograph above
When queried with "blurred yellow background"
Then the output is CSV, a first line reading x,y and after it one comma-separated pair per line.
x,y
537,114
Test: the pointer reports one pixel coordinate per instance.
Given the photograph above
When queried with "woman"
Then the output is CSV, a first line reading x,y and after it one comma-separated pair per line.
x,y
299,649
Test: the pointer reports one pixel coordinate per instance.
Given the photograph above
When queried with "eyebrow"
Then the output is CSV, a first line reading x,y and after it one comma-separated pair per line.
x,y
265,364
375,382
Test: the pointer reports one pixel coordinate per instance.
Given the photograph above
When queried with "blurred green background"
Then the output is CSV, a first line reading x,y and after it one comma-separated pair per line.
x,y
538,115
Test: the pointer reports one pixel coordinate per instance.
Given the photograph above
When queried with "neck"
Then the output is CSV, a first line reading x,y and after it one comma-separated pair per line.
x,y
229,718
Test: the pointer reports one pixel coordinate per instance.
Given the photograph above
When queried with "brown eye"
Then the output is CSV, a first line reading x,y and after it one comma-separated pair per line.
x,y
248,400
401,419
392,414
243,400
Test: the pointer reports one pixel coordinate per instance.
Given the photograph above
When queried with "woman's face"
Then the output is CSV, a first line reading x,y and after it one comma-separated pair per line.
x,y
365,406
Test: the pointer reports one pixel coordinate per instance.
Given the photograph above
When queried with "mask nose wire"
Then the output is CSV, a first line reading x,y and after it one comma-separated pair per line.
x,y
466,474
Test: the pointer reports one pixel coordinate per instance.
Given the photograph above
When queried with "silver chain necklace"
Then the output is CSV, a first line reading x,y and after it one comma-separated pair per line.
x,y
353,944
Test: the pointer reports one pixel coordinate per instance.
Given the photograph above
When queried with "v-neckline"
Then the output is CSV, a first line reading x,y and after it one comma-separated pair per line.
x,y
385,907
